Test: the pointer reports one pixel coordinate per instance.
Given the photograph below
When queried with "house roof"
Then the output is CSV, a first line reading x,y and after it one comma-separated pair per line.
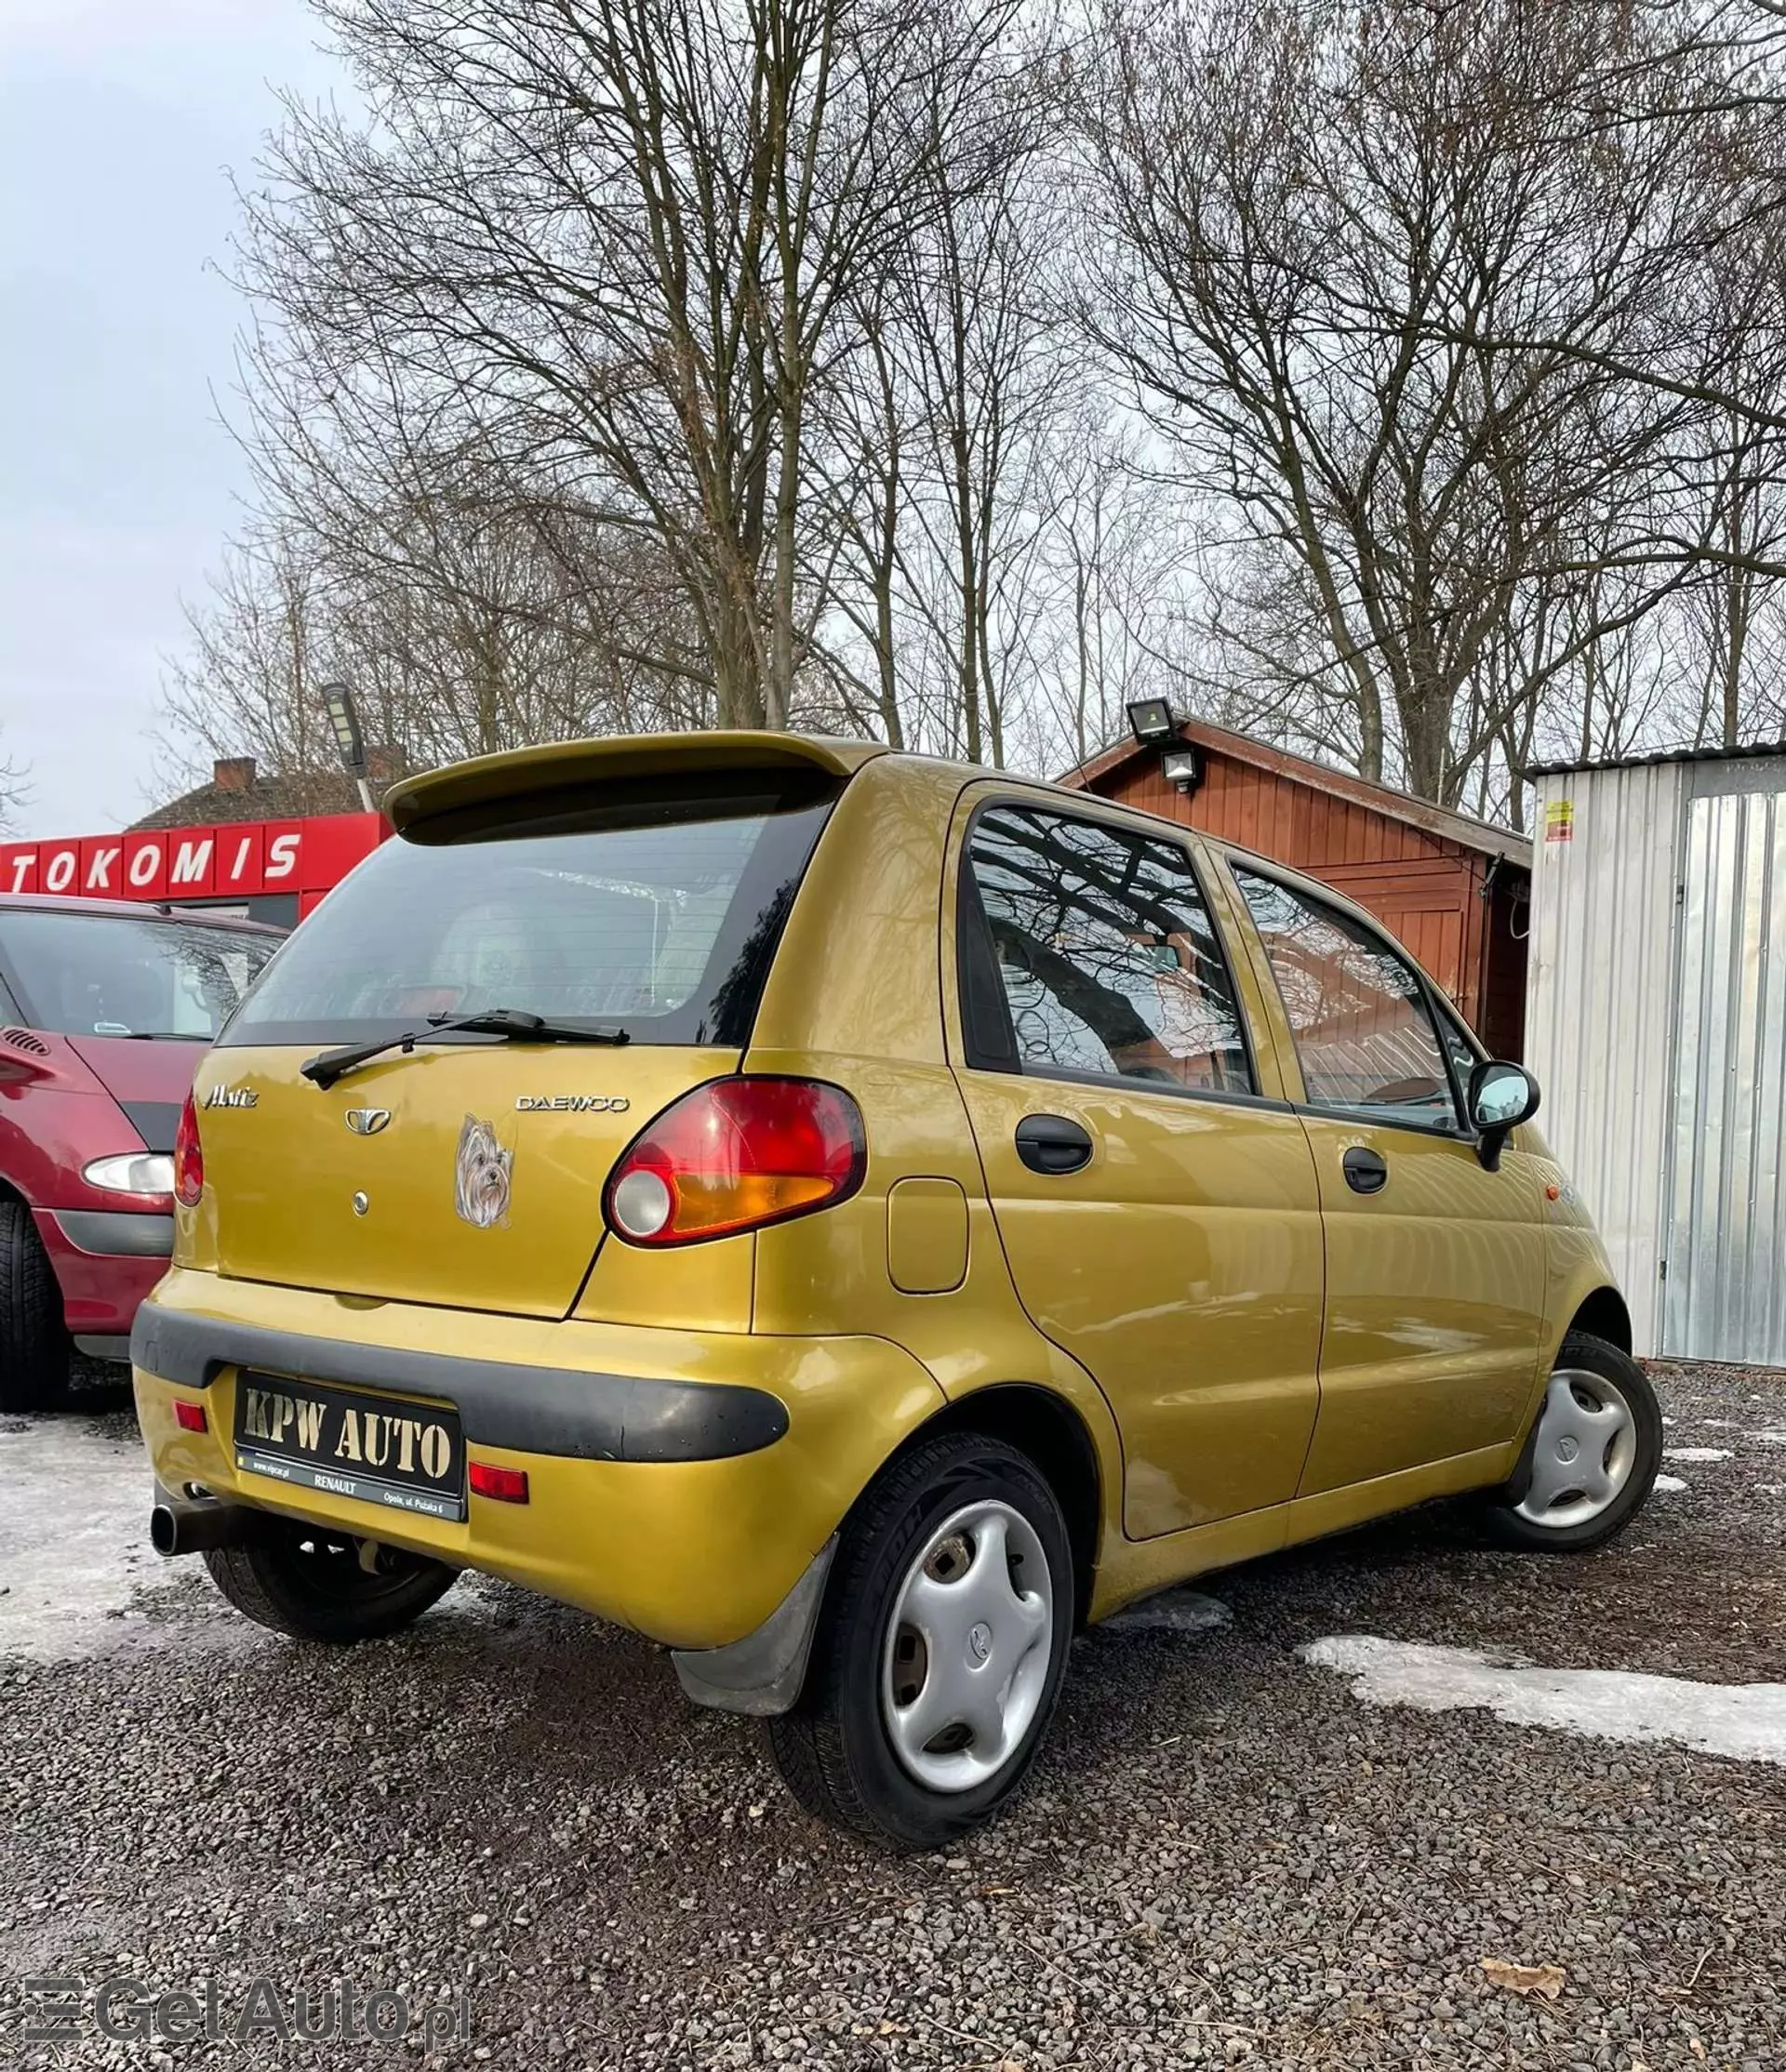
x,y
1570,765
239,791
1431,820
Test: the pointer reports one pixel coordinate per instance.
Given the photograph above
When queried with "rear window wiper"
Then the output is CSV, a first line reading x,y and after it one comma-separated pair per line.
x,y
331,1064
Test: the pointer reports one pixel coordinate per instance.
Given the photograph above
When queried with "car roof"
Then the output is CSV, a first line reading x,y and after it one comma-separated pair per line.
x,y
138,909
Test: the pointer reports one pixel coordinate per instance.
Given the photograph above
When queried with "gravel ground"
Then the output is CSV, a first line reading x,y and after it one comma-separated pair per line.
x,y
1225,1856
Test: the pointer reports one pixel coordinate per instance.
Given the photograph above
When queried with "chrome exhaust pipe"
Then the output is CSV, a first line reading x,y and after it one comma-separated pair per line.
x,y
188,1525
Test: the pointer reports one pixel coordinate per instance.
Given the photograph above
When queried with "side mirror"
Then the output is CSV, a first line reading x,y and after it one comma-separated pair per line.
x,y
1501,1098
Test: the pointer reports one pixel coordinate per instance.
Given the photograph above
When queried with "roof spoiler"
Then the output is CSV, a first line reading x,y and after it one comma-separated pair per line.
x,y
557,767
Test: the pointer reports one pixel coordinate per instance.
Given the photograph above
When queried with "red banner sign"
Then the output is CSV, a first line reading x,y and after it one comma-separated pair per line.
x,y
243,861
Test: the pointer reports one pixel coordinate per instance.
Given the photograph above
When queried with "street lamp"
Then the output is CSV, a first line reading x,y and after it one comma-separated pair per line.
x,y
337,702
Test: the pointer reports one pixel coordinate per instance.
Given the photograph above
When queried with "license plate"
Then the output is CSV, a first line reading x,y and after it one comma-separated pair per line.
x,y
348,1442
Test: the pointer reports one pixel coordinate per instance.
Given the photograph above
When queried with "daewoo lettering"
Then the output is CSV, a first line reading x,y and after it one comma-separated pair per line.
x,y
572,1104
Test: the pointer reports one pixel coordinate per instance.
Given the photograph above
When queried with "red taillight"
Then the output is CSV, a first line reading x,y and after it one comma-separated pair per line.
x,y
189,1158
734,1155
508,1485
189,1417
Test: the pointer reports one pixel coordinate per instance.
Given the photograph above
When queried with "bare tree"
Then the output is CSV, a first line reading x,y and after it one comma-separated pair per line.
x,y
611,244
1406,382
14,791
1317,220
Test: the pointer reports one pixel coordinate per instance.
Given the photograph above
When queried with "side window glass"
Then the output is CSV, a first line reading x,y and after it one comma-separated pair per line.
x,y
1363,1035
1458,1047
1106,957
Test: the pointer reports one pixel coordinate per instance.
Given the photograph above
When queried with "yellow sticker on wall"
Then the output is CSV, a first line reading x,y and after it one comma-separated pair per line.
x,y
1559,820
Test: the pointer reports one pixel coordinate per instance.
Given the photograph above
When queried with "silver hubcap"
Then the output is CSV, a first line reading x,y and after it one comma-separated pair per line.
x,y
968,1647
1587,1446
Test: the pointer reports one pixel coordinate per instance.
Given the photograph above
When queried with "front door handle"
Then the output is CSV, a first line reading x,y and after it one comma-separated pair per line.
x,y
1053,1144
1366,1172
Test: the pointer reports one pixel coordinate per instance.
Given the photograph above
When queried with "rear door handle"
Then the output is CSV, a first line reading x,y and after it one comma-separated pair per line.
x,y
1366,1172
1053,1144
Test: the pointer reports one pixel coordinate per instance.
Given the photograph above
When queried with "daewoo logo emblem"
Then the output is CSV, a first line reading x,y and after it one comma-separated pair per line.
x,y
368,1121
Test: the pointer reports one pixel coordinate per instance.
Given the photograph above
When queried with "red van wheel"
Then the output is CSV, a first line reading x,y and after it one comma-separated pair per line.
x,y
33,1345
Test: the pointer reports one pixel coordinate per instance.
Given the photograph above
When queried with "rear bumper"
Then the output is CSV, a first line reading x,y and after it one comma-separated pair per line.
x,y
679,1483
105,1263
580,1413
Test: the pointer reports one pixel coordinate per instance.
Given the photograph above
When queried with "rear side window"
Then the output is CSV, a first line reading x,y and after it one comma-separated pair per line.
x,y
1088,951
1364,1031
659,911
113,975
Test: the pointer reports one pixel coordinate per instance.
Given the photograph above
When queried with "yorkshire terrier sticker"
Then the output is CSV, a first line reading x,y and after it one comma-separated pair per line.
x,y
481,1190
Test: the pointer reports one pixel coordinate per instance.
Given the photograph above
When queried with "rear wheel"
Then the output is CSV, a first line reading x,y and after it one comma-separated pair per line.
x,y
940,1651
33,1344
321,1585
1592,1457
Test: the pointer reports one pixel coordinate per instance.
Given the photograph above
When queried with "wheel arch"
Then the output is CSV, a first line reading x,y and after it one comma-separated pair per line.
x,y
1603,1314
1046,1429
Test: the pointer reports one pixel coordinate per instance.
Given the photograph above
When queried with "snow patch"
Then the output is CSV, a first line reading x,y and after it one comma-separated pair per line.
x,y
1772,1436
1696,1452
1668,1482
1173,1612
1743,1720
77,1569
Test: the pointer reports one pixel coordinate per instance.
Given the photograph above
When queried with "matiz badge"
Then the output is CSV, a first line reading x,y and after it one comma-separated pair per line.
x,y
232,1096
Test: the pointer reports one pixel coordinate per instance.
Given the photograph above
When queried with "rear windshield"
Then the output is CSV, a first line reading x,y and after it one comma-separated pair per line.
x,y
658,911
113,974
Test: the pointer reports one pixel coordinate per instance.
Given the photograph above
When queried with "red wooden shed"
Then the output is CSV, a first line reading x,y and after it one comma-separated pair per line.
x,y
1455,891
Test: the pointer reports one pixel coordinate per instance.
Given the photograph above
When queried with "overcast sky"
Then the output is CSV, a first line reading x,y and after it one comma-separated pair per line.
x,y
119,122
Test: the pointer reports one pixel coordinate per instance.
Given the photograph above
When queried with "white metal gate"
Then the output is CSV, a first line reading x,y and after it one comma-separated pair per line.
x,y
1725,1235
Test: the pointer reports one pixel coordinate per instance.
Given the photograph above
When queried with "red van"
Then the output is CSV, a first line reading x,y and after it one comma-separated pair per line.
x,y
105,1009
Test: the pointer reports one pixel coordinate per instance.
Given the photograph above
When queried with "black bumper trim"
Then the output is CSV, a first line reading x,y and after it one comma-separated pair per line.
x,y
117,1233
566,1410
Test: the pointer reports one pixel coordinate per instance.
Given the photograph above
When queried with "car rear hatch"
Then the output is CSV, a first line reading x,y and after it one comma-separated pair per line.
x,y
633,888
147,1080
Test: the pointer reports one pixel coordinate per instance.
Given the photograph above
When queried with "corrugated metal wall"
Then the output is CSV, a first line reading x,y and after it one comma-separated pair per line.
x,y
1725,1243
1599,1013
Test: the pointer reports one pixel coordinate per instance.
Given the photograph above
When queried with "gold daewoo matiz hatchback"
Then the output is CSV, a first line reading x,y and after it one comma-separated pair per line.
x,y
853,1219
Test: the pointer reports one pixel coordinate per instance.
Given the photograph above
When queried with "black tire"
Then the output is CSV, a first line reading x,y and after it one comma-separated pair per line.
x,y
1580,1351
834,1749
311,1584
34,1340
